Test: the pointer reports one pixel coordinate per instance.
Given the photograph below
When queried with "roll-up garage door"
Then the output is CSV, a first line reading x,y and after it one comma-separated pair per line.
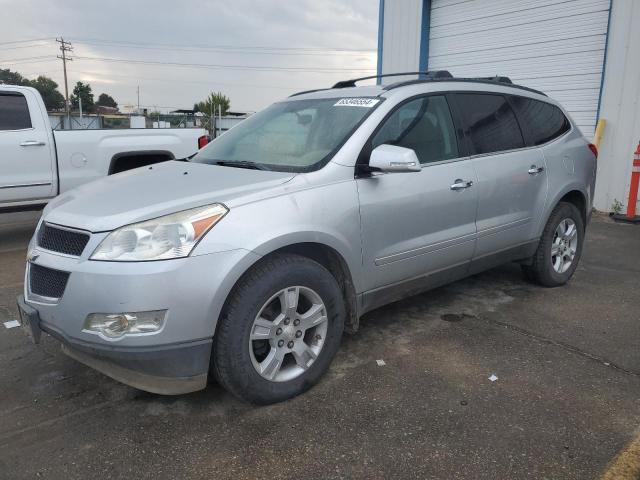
x,y
554,46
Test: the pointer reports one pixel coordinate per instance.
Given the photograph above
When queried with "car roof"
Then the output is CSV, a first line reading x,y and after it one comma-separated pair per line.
x,y
435,81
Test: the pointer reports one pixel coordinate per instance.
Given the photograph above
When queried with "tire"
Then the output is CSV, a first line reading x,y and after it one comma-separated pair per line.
x,y
552,270
238,357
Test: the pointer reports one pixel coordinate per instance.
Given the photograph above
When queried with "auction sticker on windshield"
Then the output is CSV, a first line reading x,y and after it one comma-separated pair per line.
x,y
357,102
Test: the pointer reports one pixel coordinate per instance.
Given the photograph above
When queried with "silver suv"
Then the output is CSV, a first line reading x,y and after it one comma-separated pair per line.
x,y
248,262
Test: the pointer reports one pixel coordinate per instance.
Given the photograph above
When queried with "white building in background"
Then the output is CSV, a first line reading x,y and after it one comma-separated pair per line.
x,y
128,109
583,53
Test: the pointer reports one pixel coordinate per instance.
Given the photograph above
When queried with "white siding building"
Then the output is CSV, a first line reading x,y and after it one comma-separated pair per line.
x,y
583,53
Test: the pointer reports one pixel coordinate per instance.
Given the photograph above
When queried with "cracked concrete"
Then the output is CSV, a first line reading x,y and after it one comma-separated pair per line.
x,y
565,403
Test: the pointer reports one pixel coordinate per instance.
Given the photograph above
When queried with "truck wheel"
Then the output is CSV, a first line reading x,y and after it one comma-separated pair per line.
x,y
279,331
560,247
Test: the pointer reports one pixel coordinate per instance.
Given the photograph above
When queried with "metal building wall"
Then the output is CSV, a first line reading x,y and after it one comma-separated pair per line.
x,y
557,47
620,106
400,35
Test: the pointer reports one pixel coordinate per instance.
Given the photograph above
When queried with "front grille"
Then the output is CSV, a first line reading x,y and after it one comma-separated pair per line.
x,y
47,282
62,241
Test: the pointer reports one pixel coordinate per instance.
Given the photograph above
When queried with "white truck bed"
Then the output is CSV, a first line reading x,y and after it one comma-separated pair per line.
x,y
37,163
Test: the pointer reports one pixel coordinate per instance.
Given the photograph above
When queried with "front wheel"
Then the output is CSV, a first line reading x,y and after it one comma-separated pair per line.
x,y
279,331
560,247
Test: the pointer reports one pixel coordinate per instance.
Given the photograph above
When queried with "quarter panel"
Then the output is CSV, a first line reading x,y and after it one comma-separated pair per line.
x,y
571,166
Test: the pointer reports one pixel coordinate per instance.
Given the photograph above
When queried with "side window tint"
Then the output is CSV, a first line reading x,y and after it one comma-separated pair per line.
x,y
14,113
540,121
490,123
425,126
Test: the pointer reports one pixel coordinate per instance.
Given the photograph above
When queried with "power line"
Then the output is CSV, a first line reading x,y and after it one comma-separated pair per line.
x,y
228,50
26,41
227,67
38,45
10,60
189,81
221,47
31,61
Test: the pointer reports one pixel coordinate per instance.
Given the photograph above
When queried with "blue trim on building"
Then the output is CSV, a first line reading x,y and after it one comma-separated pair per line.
x,y
604,62
424,36
380,38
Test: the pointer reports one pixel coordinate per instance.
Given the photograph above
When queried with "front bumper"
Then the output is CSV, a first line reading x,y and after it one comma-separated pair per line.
x,y
173,360
167,370
149,382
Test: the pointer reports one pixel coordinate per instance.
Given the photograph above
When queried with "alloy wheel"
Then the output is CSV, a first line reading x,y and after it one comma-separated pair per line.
x,y
564,245
288,334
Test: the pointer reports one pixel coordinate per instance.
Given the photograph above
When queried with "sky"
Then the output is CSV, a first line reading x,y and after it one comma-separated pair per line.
x,y
254,51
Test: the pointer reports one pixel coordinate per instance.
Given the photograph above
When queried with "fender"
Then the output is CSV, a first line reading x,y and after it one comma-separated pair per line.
x,y
551,204
334,242
250,258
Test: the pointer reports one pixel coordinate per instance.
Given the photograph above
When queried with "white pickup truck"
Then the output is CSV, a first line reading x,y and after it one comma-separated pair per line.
x,y
37,163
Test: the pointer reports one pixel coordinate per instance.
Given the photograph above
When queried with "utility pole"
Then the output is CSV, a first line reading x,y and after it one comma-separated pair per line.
x,y
138,90
64,48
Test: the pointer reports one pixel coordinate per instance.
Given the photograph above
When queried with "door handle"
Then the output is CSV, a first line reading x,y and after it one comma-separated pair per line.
x,y
460,184
533,170
31,143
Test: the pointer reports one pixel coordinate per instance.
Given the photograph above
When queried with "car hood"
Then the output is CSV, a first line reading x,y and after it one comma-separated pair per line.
x,y
150,192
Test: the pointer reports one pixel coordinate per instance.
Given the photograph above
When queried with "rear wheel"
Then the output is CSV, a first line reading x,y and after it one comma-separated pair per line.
x,y
279,331
560,247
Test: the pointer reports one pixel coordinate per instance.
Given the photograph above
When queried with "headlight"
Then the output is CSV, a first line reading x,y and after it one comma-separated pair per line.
x,y
171,236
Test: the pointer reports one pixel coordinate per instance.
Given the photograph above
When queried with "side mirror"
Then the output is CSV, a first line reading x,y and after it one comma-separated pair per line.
x,y
390,159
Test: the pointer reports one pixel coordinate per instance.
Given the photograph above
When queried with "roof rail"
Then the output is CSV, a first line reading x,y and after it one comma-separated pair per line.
x,y
434,76
496,78
485,80
427,75
307,91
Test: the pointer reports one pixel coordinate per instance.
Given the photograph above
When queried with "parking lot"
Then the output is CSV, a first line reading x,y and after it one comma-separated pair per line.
x,y
565,402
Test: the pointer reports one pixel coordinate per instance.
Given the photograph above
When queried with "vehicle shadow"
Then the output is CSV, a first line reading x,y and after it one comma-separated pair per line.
x,y
467,297
16,229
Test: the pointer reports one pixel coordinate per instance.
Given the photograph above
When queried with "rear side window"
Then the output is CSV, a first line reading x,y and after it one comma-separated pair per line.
x,y
423,125
490,124
541,122
14,113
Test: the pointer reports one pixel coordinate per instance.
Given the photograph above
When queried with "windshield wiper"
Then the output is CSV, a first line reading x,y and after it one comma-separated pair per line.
x,y
241,164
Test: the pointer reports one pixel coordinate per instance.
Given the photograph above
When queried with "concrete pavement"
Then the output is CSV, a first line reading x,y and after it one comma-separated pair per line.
x,y
566,400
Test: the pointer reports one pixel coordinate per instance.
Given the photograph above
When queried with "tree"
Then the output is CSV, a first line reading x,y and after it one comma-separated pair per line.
x,y
209,106
48,89
105,100
82,91
12,78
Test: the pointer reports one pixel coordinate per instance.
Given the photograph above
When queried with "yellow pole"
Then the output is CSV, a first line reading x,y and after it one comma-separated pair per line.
x,y
597,137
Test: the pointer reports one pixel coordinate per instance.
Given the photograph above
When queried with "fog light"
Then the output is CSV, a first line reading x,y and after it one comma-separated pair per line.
x,y
116,325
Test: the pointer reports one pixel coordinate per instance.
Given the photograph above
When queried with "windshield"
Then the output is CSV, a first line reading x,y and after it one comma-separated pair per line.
x,y
293,136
